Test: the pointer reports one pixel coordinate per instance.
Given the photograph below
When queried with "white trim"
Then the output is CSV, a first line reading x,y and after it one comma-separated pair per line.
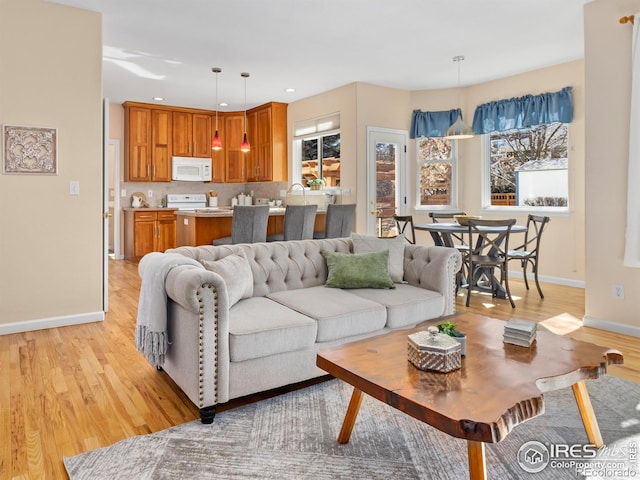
x,y
52,322
557,280
608,326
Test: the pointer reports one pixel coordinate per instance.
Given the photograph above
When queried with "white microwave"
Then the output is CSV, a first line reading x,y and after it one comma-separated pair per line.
x,y
190,169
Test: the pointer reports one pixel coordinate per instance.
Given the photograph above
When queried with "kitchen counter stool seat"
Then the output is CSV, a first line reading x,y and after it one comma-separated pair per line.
x,y
298,223
248,225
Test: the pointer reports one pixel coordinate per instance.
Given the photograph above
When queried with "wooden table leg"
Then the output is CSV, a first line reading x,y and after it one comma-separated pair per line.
x,y
588,416
477,464
350,416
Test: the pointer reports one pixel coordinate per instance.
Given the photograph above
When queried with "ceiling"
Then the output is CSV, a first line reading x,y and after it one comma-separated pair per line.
x,y
167,48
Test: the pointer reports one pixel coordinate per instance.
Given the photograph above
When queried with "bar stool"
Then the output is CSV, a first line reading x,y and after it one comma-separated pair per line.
x,y
298,223
249,225
339,221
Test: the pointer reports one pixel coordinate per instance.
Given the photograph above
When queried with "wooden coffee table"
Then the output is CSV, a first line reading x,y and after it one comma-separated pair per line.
x,y
498,387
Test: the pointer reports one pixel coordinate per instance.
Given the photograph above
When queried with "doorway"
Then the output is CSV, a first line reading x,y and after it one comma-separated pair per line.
x,y
386,179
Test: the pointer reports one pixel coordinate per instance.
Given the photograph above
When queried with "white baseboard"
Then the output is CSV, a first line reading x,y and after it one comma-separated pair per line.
x,y
42,323
615,327
557,280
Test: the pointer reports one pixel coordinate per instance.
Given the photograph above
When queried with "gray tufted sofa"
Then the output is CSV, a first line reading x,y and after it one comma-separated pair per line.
x,y
217,353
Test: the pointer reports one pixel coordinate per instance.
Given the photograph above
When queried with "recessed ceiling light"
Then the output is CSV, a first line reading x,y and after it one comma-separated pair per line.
x,y
158,99
223,104
289,90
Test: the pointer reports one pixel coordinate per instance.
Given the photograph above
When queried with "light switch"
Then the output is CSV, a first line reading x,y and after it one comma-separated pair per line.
x,y
123,193
186,221
74,187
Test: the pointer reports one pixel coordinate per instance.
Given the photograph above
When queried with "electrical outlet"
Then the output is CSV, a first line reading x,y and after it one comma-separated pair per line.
x,y
185,221
74,187
123,193
346,192
283,193
618,292
149,193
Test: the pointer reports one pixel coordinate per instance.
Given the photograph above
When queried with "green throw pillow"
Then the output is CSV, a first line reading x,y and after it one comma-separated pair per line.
x,y
358,270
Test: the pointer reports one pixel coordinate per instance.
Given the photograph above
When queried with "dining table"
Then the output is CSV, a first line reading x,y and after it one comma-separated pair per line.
x,y
451,234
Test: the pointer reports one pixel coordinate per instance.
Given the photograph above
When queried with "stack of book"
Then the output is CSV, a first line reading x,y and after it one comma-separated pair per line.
x,y
520,332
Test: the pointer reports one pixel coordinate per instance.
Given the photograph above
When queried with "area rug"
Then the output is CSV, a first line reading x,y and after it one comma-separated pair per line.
x,y
293,436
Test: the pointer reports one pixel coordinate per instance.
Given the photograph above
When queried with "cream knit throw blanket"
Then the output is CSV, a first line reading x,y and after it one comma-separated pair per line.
x,y
151,327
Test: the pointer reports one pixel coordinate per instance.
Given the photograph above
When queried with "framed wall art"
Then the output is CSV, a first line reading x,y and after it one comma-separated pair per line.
x,y
30,150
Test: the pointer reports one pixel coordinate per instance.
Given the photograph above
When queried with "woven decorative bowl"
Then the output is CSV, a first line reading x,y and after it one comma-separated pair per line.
x,y
462,219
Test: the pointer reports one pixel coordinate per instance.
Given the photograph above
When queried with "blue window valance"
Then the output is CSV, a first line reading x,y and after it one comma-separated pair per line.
x,y
524,112
432,124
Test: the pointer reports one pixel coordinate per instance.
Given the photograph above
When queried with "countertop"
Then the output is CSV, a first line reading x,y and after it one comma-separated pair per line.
x,y
228,212
207,211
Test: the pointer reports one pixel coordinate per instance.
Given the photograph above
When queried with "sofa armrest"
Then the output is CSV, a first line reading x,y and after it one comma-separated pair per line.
x,y
434,268
198,324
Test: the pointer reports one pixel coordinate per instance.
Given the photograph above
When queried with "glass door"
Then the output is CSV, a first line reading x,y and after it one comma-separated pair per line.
x,y
386,179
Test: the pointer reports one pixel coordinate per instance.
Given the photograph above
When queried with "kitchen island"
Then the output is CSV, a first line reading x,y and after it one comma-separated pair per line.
x,y
202,226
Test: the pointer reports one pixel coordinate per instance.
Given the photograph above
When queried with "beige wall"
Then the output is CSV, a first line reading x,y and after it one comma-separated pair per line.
x,y
608,92
51,242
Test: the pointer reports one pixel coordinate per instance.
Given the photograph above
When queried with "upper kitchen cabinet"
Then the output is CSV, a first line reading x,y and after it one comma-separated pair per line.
x,y
161,145
191,134
218,159
147,144
234,157
267,131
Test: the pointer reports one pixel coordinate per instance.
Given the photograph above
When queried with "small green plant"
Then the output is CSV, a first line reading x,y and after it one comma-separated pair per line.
x,y
449,328
315,181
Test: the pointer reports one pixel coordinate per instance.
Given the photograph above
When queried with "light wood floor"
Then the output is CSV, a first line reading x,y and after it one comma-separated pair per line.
x,y
67,390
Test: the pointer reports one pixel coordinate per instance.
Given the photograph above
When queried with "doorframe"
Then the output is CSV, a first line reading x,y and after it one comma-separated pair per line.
x,y
402,173
105,204
117,227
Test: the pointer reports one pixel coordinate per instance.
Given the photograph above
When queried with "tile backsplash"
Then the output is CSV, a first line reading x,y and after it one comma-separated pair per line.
x,y
226,191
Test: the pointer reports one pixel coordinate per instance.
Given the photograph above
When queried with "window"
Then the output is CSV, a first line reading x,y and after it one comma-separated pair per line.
x,y
528,167
317,150
437,159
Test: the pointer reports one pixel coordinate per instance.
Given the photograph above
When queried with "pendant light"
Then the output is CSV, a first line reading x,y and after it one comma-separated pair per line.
x,y
216,144
245,147
459,130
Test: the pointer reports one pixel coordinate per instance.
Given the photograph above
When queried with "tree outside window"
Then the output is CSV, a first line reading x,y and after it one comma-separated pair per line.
x,y
529,167
436,172
321,159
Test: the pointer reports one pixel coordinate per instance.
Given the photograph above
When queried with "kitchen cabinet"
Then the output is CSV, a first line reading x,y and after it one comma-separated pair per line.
x,y
218,159
161,145
191,134
148,231
267,130
147,144
234,157
137,125
155,133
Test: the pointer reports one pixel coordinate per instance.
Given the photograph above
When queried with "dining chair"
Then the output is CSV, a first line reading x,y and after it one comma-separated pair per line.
x,y
454,240
248,225
529,251
405,227
490,243
338,222
460,244
298,223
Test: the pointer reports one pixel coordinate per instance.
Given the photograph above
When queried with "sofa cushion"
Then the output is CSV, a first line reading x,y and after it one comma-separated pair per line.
x,y
338,313
395,245
236,273
358,270
406,305
259,327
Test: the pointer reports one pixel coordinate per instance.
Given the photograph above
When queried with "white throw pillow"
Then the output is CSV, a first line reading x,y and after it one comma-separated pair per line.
x,y
395,245
236,273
